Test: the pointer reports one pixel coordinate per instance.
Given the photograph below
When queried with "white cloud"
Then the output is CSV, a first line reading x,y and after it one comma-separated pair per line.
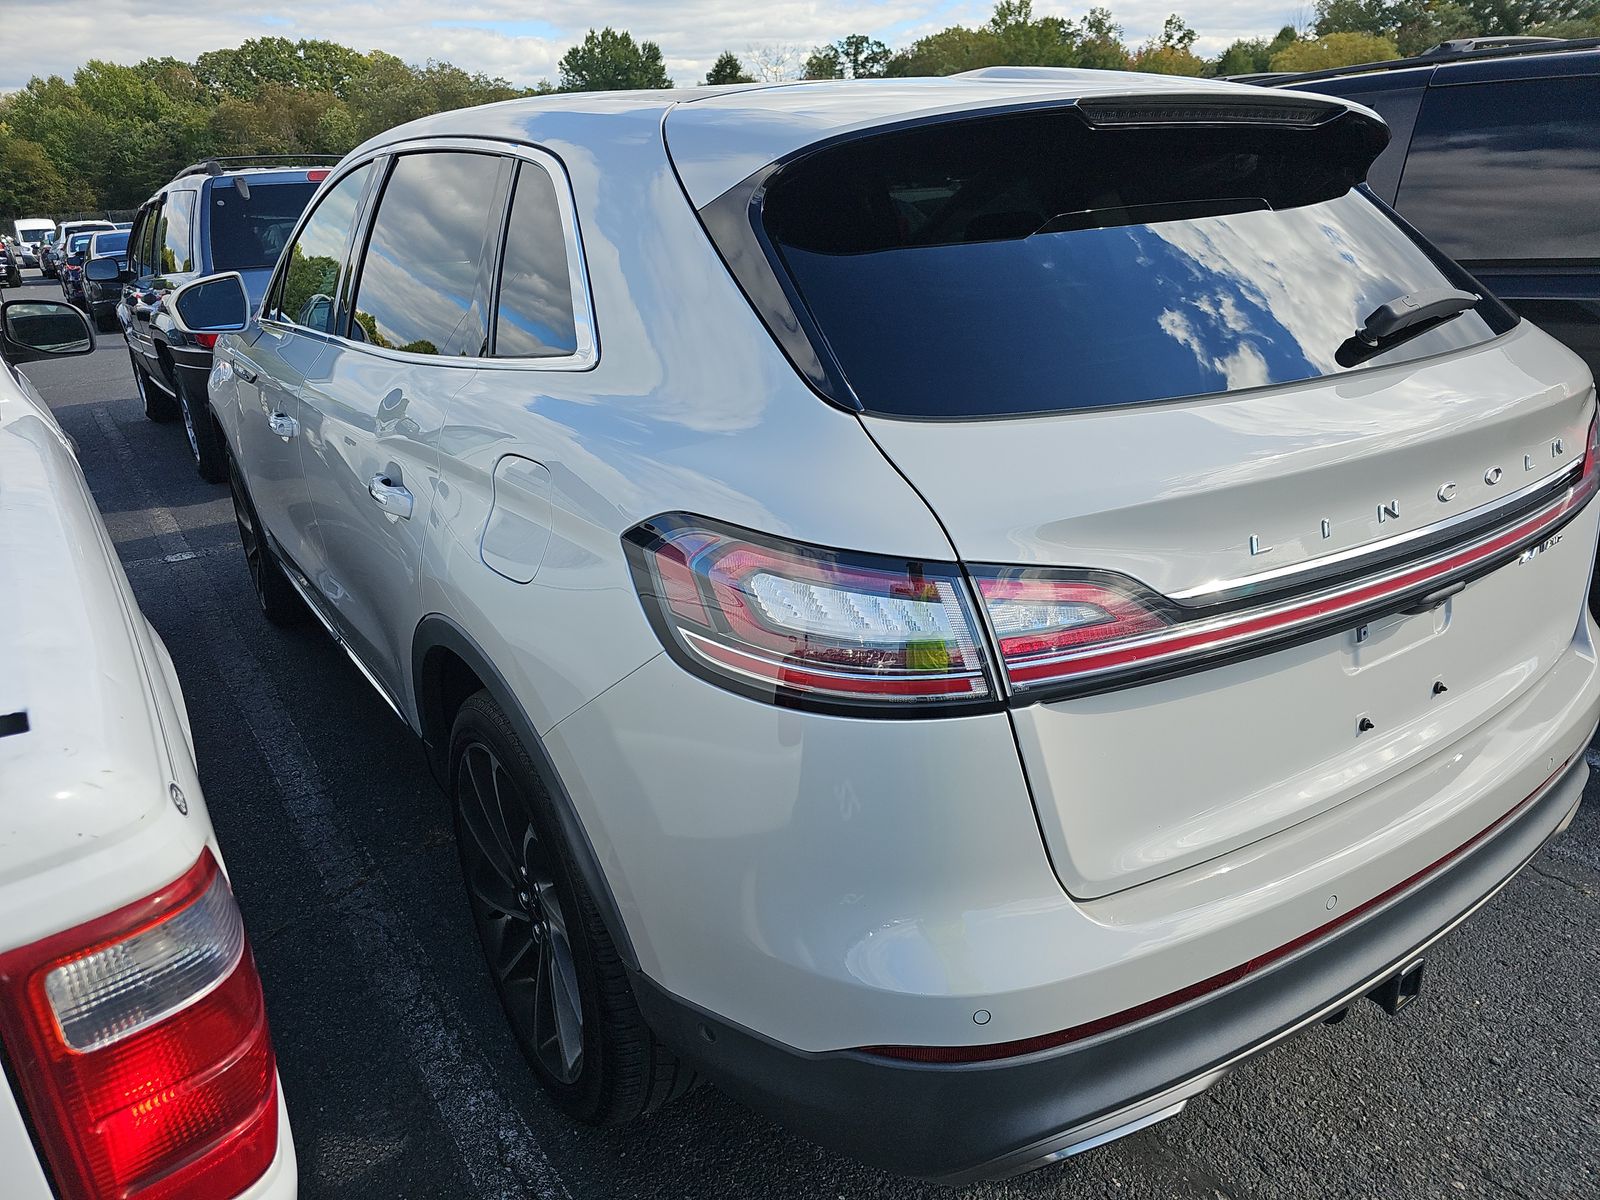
x,y
499,37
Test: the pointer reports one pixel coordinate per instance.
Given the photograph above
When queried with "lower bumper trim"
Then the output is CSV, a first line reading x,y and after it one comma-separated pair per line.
x,y
963,1122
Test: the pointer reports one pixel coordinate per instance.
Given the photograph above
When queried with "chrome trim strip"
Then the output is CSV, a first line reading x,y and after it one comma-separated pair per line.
x,y
1221,589
303,587
1552,512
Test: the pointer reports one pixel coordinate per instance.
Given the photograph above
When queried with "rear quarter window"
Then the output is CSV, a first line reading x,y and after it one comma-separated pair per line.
x,y
1032,264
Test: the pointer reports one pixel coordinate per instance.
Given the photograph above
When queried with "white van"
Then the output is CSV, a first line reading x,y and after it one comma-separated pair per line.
x,y
31,233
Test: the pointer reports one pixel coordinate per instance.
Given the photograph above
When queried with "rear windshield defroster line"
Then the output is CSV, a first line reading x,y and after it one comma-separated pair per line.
x,y
1029,263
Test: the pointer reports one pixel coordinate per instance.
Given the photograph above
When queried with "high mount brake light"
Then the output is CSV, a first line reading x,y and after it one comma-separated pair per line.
x,y
802,625
141,1047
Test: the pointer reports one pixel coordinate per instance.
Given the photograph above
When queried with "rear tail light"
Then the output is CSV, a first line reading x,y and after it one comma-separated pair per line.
x,y
208,340
316,176
803,625
800,624
142,1048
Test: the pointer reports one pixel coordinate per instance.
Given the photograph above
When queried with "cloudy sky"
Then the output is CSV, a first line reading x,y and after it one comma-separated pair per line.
x,y
522,41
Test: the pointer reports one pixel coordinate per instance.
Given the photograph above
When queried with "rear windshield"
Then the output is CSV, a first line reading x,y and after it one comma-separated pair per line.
x,y
250,234
1032,263
110,243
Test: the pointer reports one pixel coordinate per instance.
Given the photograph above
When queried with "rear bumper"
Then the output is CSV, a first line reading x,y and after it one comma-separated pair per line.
x,y
959,1123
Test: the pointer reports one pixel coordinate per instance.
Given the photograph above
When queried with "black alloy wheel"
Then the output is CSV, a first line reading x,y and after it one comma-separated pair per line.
x,y
565,992
206,445
276,595
511,882
158,406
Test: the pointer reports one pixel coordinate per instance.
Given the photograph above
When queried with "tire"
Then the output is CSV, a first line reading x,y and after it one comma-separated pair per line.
x,y
158,406
206,444
561,983
280,603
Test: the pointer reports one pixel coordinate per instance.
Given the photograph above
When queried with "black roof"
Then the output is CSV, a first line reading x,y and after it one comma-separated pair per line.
x,y
1439,56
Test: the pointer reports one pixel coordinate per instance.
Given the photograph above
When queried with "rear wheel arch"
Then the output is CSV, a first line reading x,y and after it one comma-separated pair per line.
x,y
448,666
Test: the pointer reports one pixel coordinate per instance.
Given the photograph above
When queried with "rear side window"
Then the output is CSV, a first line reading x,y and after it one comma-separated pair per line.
x,y
534,317
308,288
144,229
1508,170
175,234
249,233
423,280
1033,263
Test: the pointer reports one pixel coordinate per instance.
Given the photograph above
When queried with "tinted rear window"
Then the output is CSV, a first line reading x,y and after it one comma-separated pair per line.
x,y
109,243
1029,264
1508,170
247,235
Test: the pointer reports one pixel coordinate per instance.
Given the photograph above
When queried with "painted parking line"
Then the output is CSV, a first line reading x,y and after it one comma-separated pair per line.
x,y
500,1153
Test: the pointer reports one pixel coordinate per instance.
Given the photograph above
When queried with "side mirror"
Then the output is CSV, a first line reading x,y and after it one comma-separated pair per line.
x,y
105,270
213,304
31,330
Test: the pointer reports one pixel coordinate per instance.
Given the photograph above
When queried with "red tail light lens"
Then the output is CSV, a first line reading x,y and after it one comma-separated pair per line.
x,y
316,176
142,1048
1038,616
799,624
208,340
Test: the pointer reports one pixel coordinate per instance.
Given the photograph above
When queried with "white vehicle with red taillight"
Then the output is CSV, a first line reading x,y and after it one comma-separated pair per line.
x,y
960,608
133,1035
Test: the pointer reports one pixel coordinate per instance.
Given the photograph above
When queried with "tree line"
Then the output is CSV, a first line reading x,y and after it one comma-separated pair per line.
x,y
114,134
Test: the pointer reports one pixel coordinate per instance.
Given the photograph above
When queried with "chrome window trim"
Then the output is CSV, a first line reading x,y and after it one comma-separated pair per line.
x,y
583,320
1222,590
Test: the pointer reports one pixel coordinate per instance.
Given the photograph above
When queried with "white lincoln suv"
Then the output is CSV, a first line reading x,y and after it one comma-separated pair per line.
x,y
957,609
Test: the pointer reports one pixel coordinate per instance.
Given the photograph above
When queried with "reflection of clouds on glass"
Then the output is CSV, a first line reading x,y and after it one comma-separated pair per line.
x,y
420,275
1286,288
535,317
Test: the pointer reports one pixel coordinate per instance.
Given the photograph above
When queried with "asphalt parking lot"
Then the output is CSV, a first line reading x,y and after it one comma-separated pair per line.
x,y
402,1080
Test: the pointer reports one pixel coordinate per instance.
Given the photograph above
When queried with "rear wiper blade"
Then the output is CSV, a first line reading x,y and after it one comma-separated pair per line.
x,y
1402,319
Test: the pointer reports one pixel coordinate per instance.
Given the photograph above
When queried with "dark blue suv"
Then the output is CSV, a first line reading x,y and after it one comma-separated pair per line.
x,y
1495,156
224,214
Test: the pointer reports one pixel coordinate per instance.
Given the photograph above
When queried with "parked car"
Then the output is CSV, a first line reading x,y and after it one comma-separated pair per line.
x,y
10,264
57,249
101,295
137,1053
32,232
941,610
69,270
217,215
1495,156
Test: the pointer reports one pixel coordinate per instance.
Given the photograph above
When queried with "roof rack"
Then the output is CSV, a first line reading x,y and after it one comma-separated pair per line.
x,y
217,166
1438,56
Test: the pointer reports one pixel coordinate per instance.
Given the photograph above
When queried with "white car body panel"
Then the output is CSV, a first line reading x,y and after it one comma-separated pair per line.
x,y
87,820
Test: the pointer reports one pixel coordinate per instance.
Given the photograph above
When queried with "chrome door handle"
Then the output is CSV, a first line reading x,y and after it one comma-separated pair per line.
x,y
392,497
283,425
244,371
